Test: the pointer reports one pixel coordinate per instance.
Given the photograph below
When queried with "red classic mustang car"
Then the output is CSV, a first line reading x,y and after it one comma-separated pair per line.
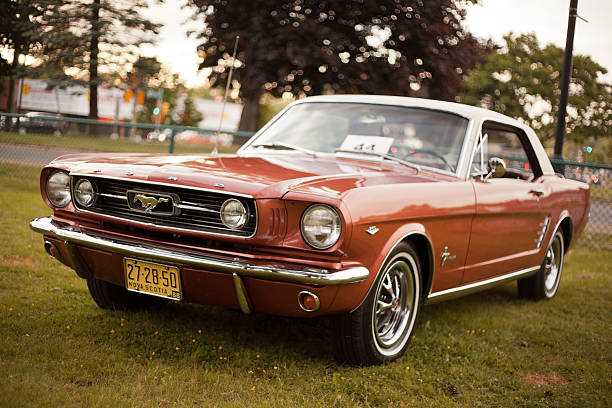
x,y
362,207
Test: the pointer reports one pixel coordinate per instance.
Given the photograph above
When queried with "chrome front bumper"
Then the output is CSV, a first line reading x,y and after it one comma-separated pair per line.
x,y
309,276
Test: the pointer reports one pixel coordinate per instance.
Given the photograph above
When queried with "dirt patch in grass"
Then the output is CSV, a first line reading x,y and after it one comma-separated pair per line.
x,y
545,379
29,262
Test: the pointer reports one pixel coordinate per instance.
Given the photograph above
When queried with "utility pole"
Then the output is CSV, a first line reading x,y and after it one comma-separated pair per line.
x,y
565,80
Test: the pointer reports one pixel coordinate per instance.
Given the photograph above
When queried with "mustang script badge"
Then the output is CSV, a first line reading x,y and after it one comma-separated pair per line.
x,y
151,203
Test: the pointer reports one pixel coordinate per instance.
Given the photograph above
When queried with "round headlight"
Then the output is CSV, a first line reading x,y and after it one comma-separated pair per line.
x,y
321,226
84,193
58,188
233,214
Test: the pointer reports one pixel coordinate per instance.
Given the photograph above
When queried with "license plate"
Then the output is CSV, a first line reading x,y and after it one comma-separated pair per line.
x,y
152,278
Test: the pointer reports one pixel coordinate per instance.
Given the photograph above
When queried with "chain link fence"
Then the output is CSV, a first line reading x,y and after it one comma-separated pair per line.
x,y
598,231
27,142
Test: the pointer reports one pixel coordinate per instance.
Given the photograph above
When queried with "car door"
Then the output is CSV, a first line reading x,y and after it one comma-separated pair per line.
x,y
509,221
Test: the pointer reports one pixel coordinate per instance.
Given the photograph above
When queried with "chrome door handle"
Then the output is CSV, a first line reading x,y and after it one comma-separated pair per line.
x,y
537,191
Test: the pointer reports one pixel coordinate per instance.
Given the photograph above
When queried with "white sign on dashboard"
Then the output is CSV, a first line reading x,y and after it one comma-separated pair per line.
x,y
374,144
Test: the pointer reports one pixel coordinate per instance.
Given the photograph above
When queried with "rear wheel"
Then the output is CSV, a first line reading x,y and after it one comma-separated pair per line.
x,y
113,297
379,330
544,284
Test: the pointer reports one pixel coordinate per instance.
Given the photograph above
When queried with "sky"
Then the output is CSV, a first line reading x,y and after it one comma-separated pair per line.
x,y
490,19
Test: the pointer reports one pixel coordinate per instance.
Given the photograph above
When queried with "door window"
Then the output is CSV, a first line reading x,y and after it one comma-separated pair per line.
x,y
508,144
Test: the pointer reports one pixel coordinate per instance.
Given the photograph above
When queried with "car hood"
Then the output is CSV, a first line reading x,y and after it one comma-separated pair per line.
x,y
262,176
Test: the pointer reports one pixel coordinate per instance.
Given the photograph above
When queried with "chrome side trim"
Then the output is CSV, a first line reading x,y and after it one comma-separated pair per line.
x,y
478,286
542,232
159,183
308,276
241,294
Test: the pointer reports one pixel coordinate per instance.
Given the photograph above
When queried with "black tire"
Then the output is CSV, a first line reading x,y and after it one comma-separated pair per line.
x,y
113,297
373,335
544,284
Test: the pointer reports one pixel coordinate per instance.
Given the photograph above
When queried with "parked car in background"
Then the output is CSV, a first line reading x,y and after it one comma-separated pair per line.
x,y
159,135
361,207
195,137
42,122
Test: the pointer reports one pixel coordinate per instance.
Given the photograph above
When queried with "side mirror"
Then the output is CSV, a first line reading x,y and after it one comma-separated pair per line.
x,y
496,167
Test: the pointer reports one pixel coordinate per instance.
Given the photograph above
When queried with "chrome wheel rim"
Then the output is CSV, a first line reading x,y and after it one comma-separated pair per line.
x,y
553,262
394,306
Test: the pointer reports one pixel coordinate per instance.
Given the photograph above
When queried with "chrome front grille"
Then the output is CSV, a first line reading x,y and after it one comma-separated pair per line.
x,y
194,209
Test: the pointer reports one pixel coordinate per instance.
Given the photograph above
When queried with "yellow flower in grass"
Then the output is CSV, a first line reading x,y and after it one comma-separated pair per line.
x,y
112,331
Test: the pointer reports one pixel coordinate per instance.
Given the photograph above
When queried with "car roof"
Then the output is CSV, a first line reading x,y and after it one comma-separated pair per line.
x,y
467,111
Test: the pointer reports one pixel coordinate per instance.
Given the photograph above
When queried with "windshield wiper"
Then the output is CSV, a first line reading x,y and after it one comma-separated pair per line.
x,y
381,155
276,145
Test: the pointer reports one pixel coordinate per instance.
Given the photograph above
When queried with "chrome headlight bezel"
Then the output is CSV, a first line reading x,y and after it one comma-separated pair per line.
x,y
78,192
238,210
335,226
57,188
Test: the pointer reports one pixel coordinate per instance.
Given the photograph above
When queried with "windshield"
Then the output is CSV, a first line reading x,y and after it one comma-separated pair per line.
x,y
420,136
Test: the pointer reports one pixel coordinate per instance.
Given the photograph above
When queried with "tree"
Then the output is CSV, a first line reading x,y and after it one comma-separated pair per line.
x,y
189,114
103,38
21,30
522,80
148,73
309,47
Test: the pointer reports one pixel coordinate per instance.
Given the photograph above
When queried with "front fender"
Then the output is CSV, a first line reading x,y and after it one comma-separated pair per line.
x,y
350,297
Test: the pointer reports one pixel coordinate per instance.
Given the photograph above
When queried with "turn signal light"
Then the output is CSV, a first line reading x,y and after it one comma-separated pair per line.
x,y
308,301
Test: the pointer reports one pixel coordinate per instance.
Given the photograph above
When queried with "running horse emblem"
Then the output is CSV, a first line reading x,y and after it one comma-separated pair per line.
x,y
149,203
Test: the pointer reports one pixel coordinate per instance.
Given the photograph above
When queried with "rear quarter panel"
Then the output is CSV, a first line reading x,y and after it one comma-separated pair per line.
x,y
567,198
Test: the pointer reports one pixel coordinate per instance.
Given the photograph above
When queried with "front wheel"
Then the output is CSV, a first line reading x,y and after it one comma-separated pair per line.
x,y
379,330
544,284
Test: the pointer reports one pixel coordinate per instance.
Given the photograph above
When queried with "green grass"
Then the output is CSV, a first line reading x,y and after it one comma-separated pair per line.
x,y
602,192
58,349
105,144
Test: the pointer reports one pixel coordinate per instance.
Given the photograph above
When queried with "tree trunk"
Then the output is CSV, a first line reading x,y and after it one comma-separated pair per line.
x,y
10,103
250,112
93,66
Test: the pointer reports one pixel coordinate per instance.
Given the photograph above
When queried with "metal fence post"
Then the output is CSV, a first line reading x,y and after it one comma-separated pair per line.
x,y
171,148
